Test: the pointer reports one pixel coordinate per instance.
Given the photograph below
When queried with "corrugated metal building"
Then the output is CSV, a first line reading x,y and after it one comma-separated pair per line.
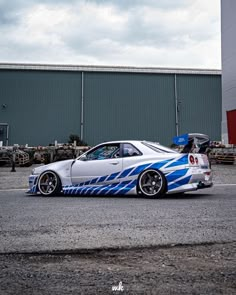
x,y
43,103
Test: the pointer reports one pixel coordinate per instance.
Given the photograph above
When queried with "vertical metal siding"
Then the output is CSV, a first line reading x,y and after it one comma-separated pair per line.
x,y
200,104
42,106
129,106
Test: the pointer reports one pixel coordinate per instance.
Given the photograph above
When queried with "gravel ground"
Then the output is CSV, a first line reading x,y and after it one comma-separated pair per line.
x,y
199,269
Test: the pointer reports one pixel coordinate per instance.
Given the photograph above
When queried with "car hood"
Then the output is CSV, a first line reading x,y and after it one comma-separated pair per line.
x,y
56,166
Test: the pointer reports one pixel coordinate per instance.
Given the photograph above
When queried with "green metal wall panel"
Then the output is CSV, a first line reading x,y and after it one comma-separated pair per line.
x,y
41,106
200,104
129,106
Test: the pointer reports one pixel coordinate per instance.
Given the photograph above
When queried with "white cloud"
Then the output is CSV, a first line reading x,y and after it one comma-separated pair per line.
x,y
137,33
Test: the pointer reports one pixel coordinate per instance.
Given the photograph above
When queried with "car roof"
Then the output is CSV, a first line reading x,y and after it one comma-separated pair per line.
x,y
123,141
144,148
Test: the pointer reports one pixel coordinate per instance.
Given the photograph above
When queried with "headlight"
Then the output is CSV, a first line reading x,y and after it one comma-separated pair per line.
x,y
35,171
38,170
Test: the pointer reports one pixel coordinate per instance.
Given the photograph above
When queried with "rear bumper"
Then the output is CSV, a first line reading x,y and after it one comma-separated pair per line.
x,y
202,184
194,179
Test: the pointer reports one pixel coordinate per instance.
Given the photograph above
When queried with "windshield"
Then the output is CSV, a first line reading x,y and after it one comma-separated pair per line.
x,y
158,148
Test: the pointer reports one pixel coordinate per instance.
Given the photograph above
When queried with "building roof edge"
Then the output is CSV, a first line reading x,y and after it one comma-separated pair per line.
x,y
100,68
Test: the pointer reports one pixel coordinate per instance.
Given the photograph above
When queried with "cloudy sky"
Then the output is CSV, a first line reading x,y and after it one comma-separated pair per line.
x,y
146,33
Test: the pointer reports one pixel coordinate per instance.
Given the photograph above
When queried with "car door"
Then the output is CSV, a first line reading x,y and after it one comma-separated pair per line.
x,y
131,155
100,166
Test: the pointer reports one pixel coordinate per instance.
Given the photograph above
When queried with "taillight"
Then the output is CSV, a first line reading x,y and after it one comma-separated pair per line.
x,y
191,159
207,173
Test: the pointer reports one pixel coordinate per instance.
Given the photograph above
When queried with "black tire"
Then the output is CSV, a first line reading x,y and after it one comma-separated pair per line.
x,y
49,183
152,183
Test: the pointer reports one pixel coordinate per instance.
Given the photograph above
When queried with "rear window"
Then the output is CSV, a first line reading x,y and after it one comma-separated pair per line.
x,y
158,148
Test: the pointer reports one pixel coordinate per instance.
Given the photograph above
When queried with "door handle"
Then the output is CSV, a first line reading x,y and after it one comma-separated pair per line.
x,y
114,163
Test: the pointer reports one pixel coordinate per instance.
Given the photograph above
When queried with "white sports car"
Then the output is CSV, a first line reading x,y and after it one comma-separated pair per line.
x,y
124,167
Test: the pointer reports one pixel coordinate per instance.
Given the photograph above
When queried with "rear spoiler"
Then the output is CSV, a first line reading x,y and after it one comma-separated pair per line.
x,y
197,142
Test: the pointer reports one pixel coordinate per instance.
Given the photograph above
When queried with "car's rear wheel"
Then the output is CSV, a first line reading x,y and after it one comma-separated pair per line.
x,y
152,183
49,183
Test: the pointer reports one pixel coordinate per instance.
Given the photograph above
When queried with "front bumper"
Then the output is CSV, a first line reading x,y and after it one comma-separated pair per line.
x,y
33,184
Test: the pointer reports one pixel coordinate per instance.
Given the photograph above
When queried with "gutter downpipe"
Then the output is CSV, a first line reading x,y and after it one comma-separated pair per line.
x,y
7,135
82,107
176,108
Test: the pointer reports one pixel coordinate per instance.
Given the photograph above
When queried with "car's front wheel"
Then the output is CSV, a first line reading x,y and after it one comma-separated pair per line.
x,y
49,183
152,183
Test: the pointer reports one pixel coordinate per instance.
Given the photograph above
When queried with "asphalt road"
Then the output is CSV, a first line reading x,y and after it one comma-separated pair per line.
x,y
90,245
44,224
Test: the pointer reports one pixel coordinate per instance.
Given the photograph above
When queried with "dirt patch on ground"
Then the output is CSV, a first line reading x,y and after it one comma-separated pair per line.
x,y
199,269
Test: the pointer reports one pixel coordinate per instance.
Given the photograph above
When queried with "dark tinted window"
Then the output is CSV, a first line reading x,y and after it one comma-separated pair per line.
x,y
104,152
130,151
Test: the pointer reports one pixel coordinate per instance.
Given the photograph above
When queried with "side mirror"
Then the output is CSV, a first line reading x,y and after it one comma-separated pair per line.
x,y
83,158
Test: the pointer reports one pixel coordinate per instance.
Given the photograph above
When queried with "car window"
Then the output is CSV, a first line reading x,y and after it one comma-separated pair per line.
x,y
130,151
104,152
158,148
